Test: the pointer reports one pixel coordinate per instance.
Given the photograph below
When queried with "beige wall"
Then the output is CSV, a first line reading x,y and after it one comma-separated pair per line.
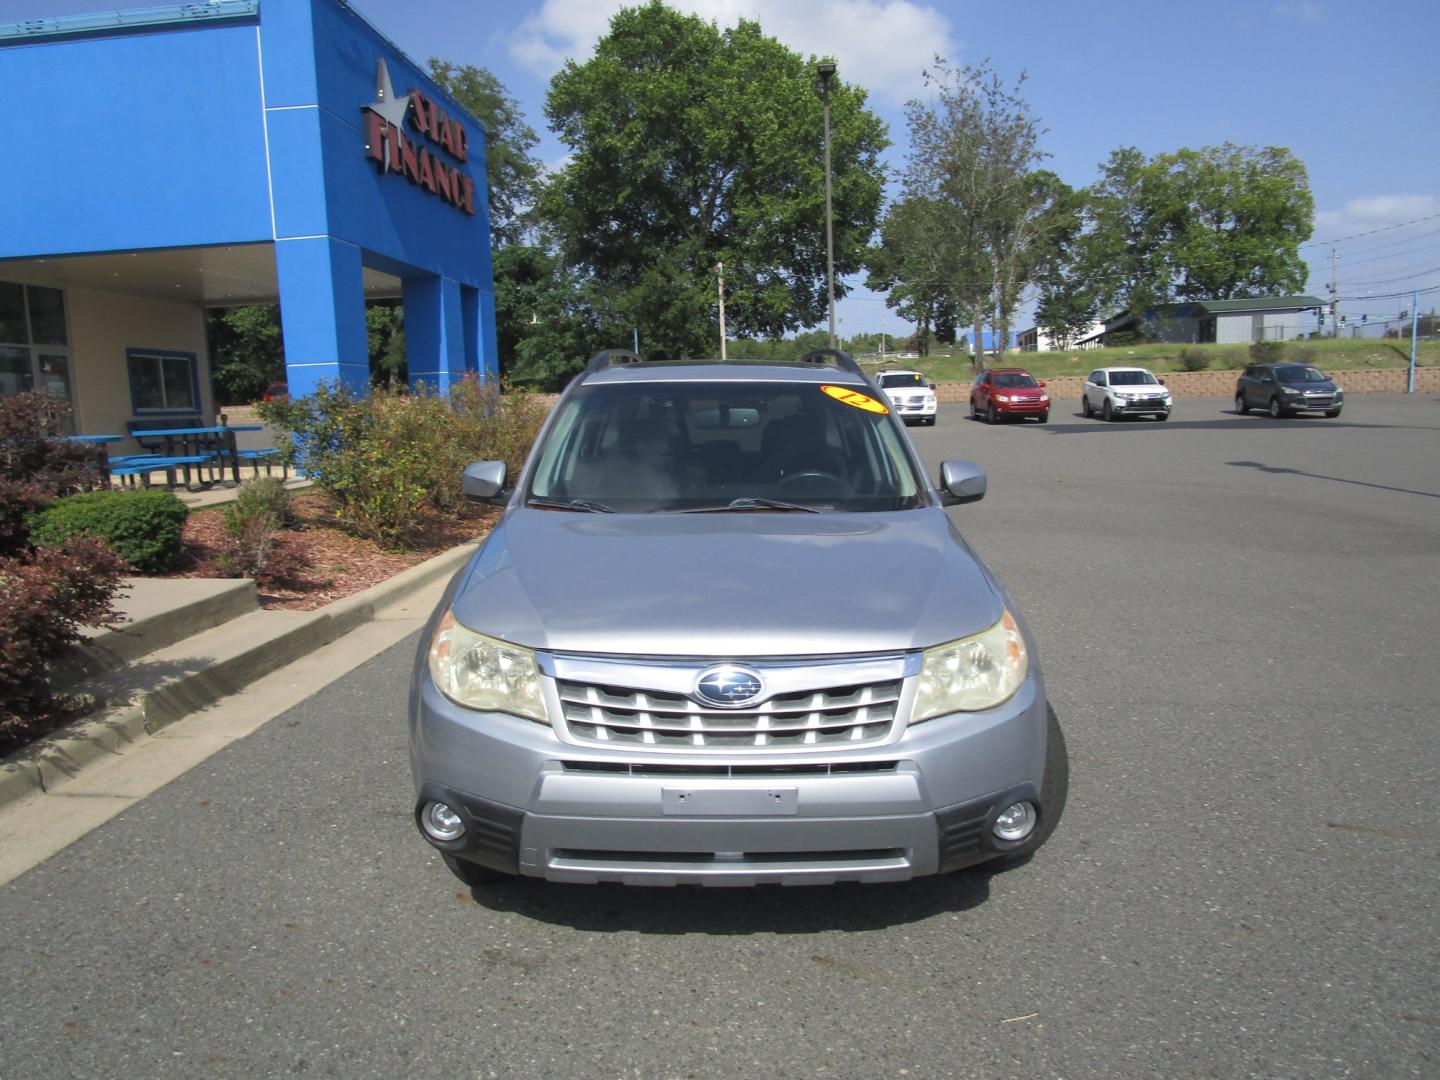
x,y
102,326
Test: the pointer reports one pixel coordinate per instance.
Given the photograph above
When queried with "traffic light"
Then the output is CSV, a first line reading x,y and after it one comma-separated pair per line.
x,y
1322,318
1364,318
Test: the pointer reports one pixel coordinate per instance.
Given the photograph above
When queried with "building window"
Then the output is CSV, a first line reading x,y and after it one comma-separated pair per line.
x,y
34,346
163,382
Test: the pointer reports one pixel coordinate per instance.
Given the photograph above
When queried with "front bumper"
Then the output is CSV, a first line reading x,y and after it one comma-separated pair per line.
x,y
1144,407
1022,407
915,410
535,805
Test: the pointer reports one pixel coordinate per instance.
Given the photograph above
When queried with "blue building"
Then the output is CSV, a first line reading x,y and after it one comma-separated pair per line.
x,y
166,160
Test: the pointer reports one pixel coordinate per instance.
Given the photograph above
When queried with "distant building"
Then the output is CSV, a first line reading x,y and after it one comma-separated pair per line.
x,y
1222,322
1037,340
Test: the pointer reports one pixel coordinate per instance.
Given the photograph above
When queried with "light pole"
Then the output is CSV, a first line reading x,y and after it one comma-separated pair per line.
x,y
827,72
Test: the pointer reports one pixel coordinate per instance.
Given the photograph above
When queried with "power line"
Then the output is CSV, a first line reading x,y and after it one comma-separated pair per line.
x,y
1370,232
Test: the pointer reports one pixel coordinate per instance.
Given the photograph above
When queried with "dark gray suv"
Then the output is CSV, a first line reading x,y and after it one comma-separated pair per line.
x,y
1284,389
725,633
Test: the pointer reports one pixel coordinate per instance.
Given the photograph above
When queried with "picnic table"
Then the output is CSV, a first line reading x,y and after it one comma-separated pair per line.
x,y
184,447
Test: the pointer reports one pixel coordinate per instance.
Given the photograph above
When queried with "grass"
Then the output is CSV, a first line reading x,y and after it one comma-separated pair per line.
x,y
1332,354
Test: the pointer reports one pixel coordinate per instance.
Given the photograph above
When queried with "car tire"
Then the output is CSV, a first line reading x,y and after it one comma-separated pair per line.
x,y
1242,407
1107,413
1085,408
974,410
1276,409
1054,789
1332,413
991,416
929,421
1162,416
473,874
1044,418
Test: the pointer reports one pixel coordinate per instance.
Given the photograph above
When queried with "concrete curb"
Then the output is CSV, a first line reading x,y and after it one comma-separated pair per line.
x,y
62,755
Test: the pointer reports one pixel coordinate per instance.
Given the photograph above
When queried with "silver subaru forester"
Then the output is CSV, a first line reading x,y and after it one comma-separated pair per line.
x,y
725,634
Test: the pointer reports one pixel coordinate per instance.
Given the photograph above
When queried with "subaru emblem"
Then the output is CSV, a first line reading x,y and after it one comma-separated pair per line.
x,y
729,686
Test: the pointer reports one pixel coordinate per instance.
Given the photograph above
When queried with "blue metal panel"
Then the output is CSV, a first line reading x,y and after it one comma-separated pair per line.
x,y
322,314
145,140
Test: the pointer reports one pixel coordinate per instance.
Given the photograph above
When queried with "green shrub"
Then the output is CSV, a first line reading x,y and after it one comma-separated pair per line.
x,y
260,510
1194,359
392,455
264,495
142,527
1263,352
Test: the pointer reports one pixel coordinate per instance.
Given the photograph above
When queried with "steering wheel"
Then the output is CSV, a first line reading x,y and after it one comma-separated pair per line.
x,y
809,476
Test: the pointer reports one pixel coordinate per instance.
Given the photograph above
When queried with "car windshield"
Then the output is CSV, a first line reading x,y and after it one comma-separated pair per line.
x,y
906,378
723,447
1132,378
1299,373
1014,379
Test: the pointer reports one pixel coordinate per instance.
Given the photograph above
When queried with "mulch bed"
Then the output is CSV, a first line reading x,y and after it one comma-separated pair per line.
x,y
333,564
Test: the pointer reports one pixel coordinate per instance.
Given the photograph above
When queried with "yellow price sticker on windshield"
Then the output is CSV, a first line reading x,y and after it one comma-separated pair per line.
x,y
855,399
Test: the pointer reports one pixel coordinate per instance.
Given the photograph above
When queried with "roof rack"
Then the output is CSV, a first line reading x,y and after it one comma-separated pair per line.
x,y
612,358
832,358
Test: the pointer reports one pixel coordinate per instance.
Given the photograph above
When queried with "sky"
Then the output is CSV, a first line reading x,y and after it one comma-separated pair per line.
x,y
1349,86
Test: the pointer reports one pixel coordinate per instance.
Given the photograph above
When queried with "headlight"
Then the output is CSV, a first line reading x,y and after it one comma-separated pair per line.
x,y
1044,397
1289,390
480,672
1002,397
973,673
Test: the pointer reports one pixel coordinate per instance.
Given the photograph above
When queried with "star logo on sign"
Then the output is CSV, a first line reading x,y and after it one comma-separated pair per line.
x,y
387,105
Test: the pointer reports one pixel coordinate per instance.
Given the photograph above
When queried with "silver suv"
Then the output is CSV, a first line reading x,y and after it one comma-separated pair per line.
x,y
725,633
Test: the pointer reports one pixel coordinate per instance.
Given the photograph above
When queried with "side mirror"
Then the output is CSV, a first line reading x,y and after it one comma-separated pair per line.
x,y
1042,384
1162,382
961,482
932,386
484,481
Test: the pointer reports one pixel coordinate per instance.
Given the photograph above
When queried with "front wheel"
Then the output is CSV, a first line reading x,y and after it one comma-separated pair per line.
x,y
1054,789
1242,407
1106,412
1162,416
1276,409
991,416
974,410
1085,408
1044,418
1332,413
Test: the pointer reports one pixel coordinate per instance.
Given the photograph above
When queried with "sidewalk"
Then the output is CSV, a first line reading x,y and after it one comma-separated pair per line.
x,y
187,644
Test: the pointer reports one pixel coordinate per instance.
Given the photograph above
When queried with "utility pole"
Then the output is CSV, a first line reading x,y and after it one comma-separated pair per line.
x,y
720,279
1334,294
1414,338
827,72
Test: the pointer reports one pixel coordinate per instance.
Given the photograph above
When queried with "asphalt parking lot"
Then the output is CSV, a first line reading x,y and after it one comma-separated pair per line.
x,y
1238,621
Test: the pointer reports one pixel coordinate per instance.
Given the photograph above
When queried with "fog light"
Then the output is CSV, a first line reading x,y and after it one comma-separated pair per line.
x,y
1015,822
442,823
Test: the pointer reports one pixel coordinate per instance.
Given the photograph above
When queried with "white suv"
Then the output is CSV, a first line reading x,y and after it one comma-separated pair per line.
x,y
910,394
1116,392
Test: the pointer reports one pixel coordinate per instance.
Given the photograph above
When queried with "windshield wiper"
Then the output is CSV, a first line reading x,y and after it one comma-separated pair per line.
x,y
583,505
750,504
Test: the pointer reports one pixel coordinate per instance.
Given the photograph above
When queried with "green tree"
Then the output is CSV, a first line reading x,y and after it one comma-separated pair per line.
x,y
247,352
548,320
511,172
973,152
1218,223
914,271
693,145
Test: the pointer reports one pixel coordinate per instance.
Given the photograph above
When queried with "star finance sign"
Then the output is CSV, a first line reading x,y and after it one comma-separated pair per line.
x,y
387,144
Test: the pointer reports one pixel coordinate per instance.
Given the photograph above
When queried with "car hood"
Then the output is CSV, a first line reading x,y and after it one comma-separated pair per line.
x,y
726,585
1326,387
1025,393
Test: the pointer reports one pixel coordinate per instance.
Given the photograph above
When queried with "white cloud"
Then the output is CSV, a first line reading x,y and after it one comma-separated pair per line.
x,y
1306,11
1373,212
883,45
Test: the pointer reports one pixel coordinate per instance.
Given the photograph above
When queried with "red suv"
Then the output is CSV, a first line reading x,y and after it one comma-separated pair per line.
x,y
1009,392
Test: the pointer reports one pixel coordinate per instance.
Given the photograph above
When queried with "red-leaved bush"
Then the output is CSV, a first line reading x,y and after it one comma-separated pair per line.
x,y
45,596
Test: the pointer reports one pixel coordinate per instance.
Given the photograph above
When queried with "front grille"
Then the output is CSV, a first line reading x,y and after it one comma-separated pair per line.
x,y
1146,403
1319,401
821,768
835,716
